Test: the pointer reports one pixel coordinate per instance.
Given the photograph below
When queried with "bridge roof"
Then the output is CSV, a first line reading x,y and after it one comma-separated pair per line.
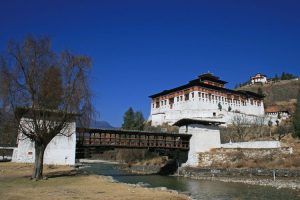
x,y
187,121
120,131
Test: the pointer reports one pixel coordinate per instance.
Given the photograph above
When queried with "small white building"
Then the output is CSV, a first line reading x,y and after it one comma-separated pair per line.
x,y
276,115
259,78
205,136
60,151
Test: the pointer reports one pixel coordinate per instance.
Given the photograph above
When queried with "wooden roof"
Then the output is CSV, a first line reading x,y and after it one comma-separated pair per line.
x,y
210,77
274,109
197,82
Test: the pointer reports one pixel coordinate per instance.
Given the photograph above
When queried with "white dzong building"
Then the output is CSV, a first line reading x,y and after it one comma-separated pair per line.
x,y
203,98
259,78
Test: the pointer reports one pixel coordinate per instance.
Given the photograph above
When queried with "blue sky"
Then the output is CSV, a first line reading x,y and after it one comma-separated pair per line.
x,y
142,47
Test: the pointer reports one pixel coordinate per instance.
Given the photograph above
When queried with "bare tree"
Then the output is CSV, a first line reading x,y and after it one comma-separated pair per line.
x,y
8,132
258,126
283,129
240,124
47,88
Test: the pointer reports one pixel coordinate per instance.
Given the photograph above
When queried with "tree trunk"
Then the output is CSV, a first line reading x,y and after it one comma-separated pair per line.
x,y
39,159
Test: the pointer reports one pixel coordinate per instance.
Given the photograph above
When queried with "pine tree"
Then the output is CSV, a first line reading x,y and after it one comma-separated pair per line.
x,y
287,76
296,118
138,121
133,120
283,76
128,118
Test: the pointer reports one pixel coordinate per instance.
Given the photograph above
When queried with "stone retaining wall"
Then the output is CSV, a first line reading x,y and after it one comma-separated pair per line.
x,y
228,156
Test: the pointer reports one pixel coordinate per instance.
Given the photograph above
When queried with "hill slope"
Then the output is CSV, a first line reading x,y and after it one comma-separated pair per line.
x,y
281,93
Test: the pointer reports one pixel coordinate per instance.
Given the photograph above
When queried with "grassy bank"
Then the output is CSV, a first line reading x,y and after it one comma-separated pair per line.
x,y
65,183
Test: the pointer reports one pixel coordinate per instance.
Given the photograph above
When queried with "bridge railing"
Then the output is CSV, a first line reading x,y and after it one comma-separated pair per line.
x,y
131,139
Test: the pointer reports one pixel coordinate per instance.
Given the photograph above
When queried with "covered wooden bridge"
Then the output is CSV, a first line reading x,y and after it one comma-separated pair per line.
x,y
89,138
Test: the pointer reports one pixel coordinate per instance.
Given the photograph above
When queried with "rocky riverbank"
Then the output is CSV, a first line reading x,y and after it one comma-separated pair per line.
x,y
280,178
142,169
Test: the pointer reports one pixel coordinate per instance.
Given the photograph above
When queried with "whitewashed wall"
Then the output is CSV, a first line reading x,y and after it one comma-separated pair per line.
x,y
60,151
200,108
273,117
259,80
253,145
203,139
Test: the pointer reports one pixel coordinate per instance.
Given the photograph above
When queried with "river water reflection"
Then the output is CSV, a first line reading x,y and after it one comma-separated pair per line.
x,y
198,189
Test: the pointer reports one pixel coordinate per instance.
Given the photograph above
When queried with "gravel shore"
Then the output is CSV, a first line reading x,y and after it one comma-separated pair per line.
x,y
279,183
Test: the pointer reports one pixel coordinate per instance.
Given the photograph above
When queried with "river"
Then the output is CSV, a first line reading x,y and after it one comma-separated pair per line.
x,y
198,189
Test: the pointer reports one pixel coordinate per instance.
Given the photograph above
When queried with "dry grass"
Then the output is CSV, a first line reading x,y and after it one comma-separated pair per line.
x,y
65,183
256,133
280,93
9,169
278,163
239,158
157,161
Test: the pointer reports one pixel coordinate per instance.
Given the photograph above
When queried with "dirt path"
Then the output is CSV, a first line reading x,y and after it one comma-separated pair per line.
x,y
66,183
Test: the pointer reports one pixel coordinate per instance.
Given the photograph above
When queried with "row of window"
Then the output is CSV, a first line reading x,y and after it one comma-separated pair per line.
x,y
206,97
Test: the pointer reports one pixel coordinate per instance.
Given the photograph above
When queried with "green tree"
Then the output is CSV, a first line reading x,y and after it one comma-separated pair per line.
x,y
296,117
138,121
133,120
283,76
128,119
287,76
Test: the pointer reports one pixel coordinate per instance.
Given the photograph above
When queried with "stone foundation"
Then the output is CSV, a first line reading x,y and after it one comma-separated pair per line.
x,y
224,157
